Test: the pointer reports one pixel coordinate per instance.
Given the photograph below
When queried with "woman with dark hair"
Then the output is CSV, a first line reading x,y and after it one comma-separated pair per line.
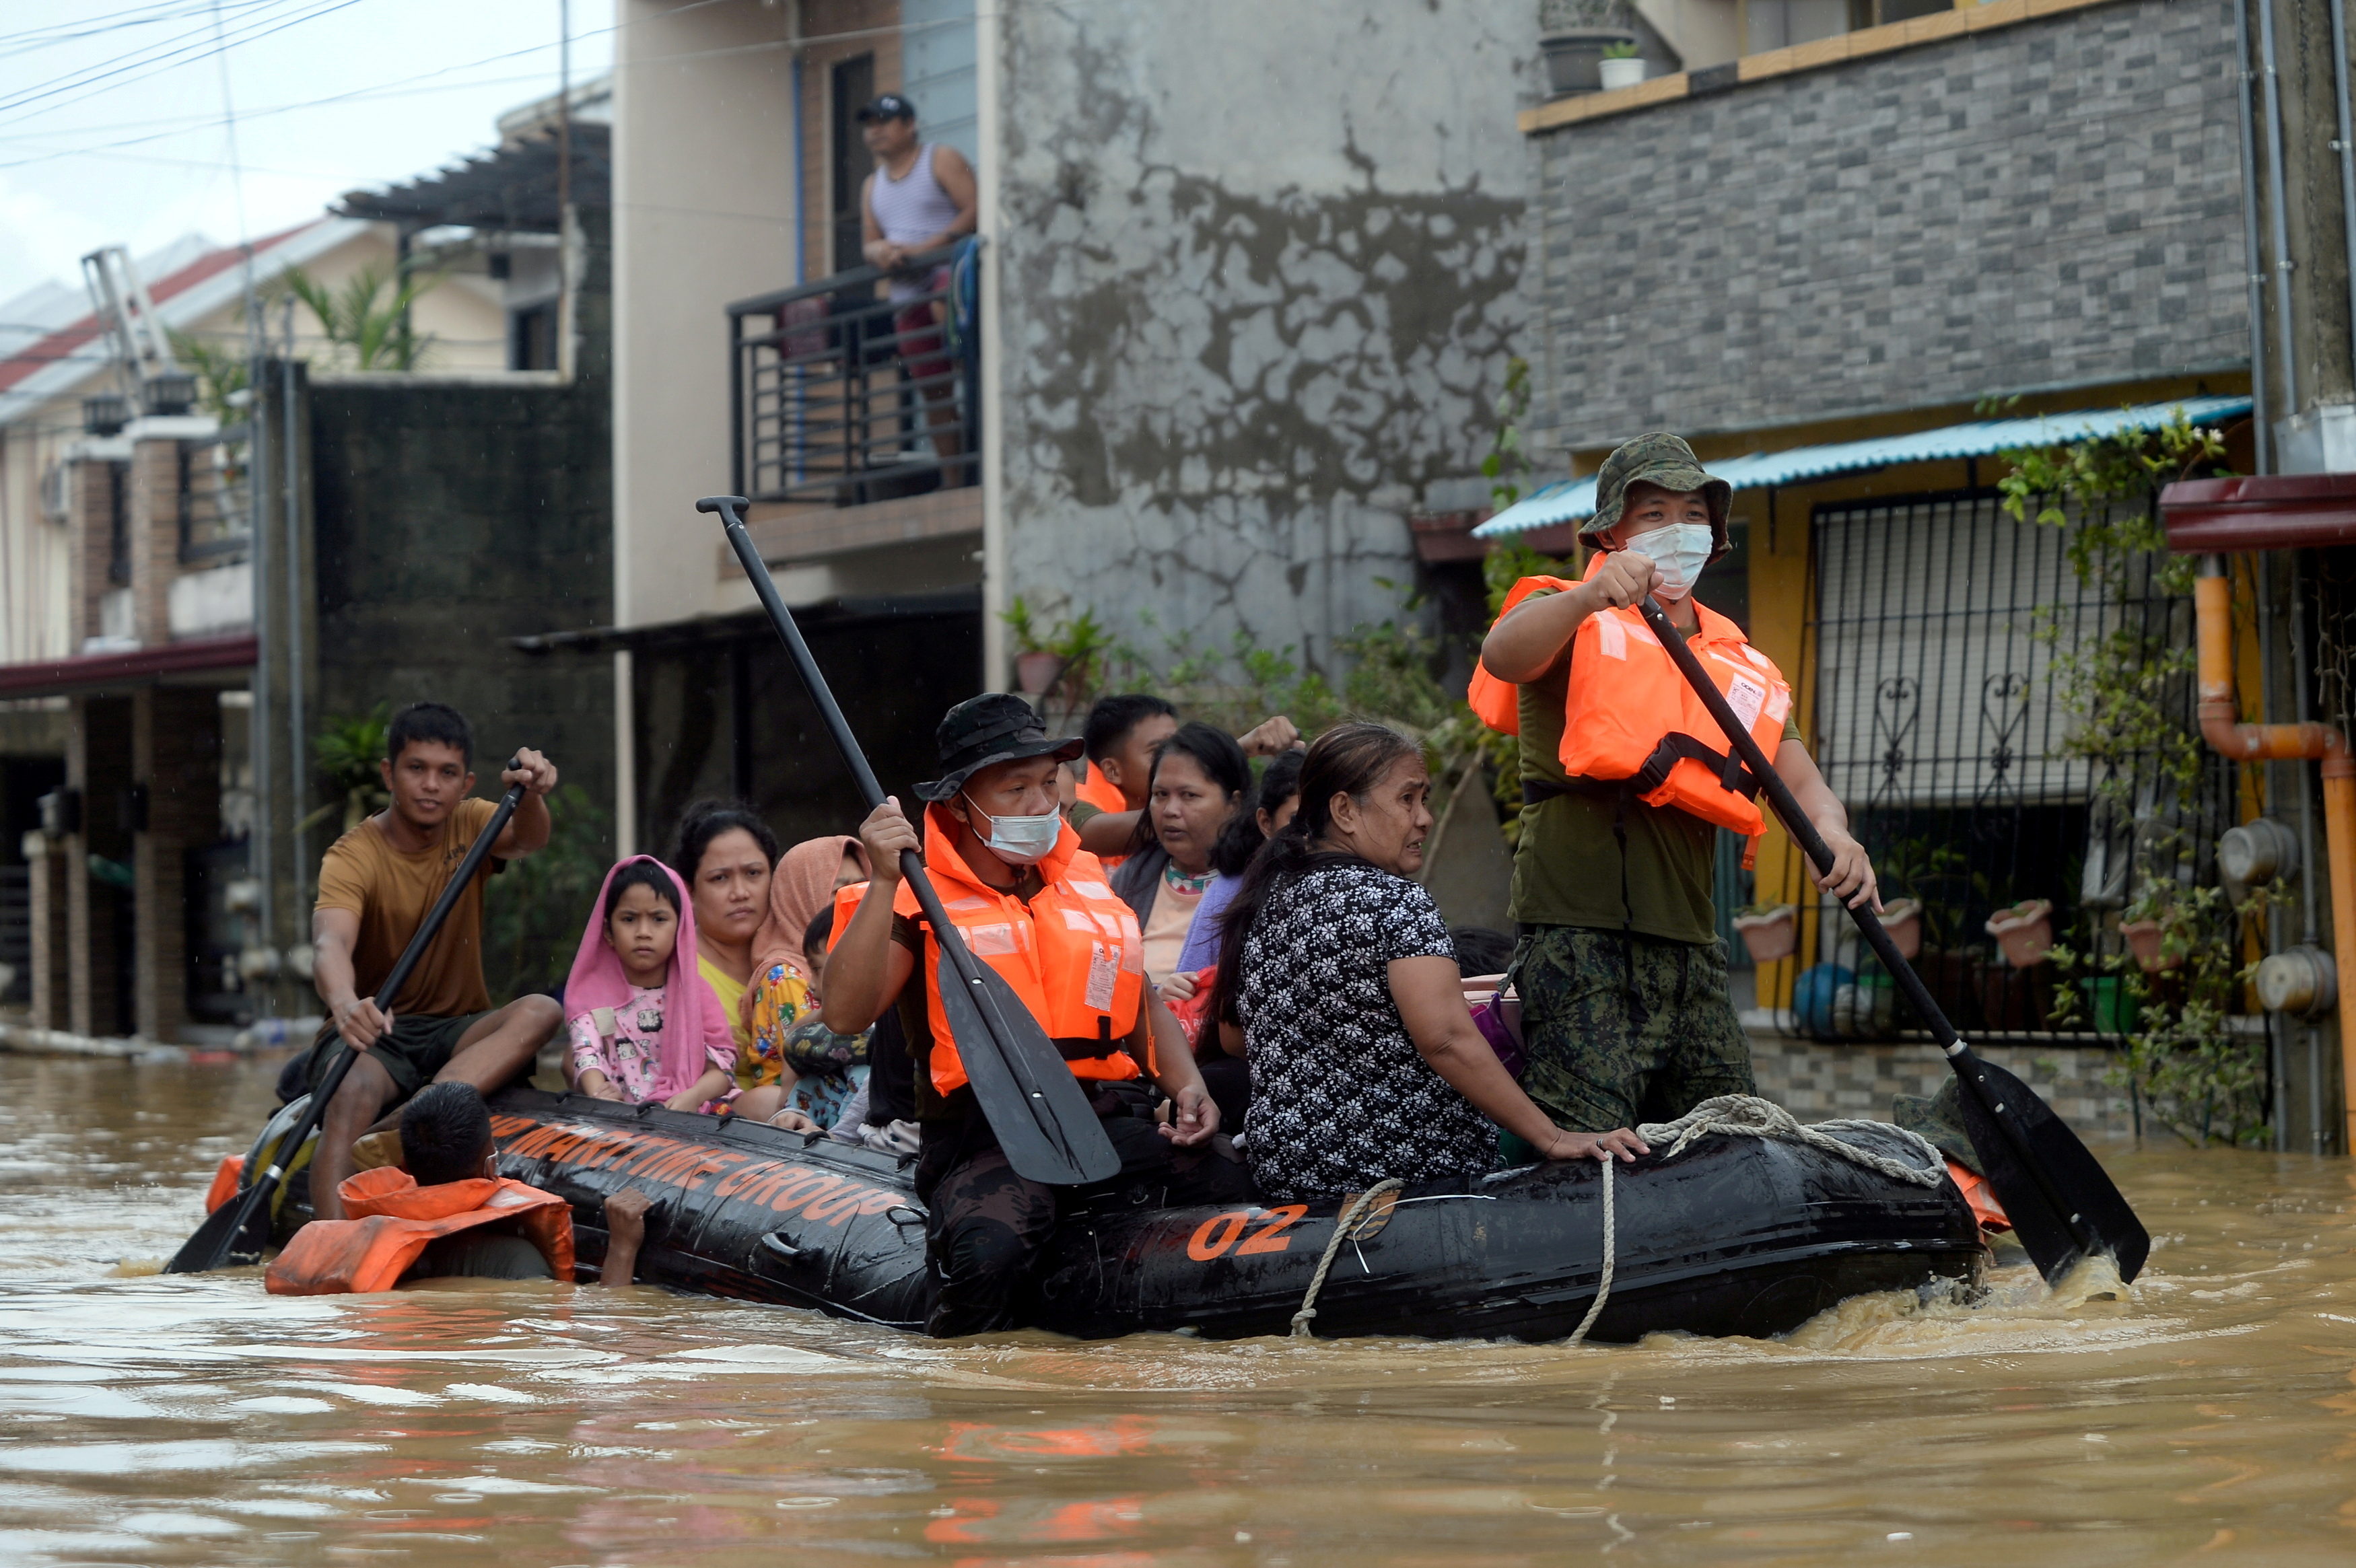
x,y
1365,1061
1198,782
725,854
1279,797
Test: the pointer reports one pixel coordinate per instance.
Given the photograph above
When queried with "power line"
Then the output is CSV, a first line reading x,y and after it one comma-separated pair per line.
x,y
162,62
92,26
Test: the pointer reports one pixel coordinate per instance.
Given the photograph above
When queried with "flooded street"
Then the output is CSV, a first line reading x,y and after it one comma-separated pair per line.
x,y
197,1420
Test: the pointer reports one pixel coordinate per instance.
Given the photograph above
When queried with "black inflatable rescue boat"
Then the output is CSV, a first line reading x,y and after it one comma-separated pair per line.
x,y
1736,1236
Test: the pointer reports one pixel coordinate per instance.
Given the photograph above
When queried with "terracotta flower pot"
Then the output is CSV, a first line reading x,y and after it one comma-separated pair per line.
x,y
1903,919
2025,931
2143,941
1037,672
1770,937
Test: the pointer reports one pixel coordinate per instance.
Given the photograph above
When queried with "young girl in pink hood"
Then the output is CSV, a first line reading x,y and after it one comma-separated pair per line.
x,y
643,1025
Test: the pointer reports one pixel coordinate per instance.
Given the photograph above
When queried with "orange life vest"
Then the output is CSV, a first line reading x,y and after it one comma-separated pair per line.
x,y
391,1219
1102,793
1498,703
1075,956
1981,1196
1633,715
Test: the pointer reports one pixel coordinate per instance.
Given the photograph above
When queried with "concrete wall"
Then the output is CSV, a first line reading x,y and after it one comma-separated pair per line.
x,y
1259,281
452,515
703,190
2054,203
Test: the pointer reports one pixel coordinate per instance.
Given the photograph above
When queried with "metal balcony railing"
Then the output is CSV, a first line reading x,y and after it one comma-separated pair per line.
x,y
840,395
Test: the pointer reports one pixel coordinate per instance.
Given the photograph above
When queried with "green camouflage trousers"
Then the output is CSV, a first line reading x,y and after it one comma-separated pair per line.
x,y
1608,1053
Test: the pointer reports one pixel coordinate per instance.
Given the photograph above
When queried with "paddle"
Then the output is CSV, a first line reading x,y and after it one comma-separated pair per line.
x,y
1026,1092
2063,1206
239,1229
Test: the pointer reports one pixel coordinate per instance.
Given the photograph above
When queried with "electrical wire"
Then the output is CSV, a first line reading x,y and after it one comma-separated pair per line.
x,y
35,38
190,54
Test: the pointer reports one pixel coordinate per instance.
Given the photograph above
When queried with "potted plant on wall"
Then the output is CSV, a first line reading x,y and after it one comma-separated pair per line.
x,y
2025,931
1619,66
1902,918
1575,35
1036,662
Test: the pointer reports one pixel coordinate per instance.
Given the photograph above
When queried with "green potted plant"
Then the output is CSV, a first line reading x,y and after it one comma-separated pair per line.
x,y
1037,664
1619,66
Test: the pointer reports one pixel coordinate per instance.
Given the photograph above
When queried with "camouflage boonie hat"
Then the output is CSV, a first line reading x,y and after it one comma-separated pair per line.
x,y
997,727
1660,459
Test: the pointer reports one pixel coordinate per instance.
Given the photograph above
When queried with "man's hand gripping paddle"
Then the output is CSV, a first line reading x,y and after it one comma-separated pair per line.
x,y
2063,1204
1032,1101
239,1230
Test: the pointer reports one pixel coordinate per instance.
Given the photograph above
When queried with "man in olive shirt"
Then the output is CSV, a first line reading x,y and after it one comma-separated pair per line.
x,y
376,884
1622,979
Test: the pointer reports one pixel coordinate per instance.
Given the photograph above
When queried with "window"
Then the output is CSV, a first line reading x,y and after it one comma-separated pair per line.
x,y
853,84
531,337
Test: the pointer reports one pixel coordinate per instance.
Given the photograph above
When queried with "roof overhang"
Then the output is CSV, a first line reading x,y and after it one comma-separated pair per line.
x,y
131,666
1572,499
2273,511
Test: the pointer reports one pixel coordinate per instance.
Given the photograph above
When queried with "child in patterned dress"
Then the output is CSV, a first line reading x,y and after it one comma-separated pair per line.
x,y
797,1073
644,1028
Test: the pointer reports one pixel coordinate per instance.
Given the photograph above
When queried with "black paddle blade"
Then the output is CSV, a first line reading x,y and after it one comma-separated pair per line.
x,y
2061,1202
1035,1105
234,1234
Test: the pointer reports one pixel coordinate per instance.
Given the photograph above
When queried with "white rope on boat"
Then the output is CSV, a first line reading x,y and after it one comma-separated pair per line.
x,y
1342,1228
1733,1115
1748,1116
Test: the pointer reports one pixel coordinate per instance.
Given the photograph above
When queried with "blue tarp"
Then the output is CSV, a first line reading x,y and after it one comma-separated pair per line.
x,y
1569,499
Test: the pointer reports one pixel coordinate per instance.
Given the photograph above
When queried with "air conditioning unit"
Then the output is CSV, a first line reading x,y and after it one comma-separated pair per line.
x,y
56,491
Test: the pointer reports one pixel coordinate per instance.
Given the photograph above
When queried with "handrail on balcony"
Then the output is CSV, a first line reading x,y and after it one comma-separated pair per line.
x,y
840,395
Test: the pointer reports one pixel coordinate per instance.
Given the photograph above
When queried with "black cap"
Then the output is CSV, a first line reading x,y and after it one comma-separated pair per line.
x,y
891,106
994,728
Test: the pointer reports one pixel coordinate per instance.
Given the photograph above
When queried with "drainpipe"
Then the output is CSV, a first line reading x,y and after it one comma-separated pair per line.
x,y
2261,424
2212,599
2280,218
2346,148
2304,704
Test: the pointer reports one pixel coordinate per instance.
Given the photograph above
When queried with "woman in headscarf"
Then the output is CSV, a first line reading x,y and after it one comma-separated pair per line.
x,y
780,994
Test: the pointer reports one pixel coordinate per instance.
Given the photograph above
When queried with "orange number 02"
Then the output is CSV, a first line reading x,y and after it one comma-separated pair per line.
x,y
1216,1235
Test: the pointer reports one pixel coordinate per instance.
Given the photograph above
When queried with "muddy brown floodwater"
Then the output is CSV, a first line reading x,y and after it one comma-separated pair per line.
x,y
2208,1414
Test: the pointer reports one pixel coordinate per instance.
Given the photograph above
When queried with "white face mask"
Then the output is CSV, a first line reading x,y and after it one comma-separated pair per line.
x,y
1019,840
1680,550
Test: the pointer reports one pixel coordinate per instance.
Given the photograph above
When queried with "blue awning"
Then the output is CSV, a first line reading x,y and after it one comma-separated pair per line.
x,y
1569,499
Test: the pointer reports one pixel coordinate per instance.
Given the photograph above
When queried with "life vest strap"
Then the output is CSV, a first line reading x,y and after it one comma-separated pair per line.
x,y
1732,776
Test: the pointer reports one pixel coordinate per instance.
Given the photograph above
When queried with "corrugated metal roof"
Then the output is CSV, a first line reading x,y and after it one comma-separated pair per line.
x,y
1569,499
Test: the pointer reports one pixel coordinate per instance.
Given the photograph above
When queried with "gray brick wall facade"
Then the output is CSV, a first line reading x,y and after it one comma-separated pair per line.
x,y
2056,203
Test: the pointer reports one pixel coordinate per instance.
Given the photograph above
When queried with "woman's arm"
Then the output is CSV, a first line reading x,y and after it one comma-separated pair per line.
x,y
1430,998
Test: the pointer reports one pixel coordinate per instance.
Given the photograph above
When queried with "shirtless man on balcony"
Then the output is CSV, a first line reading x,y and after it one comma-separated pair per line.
x,y
920,197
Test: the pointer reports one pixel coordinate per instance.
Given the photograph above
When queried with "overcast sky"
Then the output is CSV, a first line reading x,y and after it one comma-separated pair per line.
x,y
118,135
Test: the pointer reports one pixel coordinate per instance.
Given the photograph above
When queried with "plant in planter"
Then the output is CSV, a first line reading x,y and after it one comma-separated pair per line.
x,y
1902,918
1619,66
1769,931
2025,931
1036,665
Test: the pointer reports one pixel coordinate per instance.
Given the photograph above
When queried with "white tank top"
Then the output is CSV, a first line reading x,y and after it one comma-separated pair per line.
x,y
911,210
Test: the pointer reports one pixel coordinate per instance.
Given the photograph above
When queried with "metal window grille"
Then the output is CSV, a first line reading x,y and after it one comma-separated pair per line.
x,y
1936,623
118,525
840,395
216,496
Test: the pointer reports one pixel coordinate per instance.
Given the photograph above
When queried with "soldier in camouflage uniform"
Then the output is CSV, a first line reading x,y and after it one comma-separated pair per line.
x,y
1623,977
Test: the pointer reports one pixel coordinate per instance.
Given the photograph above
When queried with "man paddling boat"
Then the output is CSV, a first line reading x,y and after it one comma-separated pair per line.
x,y
375,885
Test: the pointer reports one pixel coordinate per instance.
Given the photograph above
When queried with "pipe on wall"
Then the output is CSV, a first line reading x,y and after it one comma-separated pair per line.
x,y
2278,210
2261,422
2346,147
2212,598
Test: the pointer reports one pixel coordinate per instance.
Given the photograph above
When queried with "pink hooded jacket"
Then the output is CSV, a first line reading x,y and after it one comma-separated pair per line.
x,y
695,1033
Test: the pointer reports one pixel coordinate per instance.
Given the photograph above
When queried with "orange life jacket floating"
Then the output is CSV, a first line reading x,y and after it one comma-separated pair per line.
x,y
1075,955
1633,715
391,1219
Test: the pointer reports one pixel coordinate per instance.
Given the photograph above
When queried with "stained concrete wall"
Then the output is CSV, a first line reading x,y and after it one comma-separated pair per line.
x,y
1260,270
2049,203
